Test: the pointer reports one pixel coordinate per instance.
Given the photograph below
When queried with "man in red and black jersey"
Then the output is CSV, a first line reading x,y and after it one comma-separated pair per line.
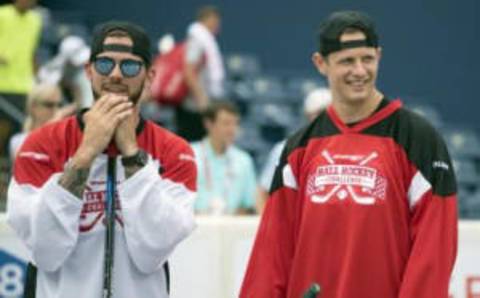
x,y
363,200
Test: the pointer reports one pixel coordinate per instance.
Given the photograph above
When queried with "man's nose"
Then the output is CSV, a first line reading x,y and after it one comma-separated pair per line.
x,y
359,68
116,72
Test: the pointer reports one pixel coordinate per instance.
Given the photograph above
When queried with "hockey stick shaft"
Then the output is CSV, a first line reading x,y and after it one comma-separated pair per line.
x,y
110,228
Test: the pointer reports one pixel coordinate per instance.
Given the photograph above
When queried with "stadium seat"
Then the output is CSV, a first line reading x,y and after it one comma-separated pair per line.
x,y
462,142
463,194
250,140
267,88
163,116
429,112
471,206
465,172
241,66
300,87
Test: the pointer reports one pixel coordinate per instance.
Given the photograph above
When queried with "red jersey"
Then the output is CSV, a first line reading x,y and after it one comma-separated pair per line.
x,y
366,211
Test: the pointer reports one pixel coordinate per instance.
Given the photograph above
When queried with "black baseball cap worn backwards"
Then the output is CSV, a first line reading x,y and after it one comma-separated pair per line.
x,y
335,25
140,41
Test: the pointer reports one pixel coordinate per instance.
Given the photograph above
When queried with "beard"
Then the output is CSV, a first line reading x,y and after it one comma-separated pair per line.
x,y
113,87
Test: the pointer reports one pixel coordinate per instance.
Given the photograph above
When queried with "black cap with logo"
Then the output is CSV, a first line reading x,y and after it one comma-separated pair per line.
x,y
140,40
335,25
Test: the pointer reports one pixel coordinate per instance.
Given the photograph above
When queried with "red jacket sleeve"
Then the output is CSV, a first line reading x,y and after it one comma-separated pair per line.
x,y
434,220
180,165
434,248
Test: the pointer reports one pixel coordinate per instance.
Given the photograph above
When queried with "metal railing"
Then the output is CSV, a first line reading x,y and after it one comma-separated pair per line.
x,y
5,174
11,110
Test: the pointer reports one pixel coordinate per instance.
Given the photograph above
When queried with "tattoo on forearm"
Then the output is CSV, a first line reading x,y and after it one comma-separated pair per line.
x,y
131,170
74,180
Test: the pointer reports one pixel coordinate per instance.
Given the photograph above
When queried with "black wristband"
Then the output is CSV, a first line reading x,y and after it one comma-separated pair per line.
x,y
138,159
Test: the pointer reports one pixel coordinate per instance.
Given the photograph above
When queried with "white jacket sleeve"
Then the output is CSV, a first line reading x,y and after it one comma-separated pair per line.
x,y
46,219
157,215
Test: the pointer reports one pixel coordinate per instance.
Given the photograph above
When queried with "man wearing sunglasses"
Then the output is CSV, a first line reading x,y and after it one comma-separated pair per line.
x,y
56,197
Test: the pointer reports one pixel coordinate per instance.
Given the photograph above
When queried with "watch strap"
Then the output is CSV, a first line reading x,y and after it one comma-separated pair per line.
x,y
138,159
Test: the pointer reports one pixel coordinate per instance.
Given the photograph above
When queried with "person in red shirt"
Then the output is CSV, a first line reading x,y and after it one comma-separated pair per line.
x,y
363,201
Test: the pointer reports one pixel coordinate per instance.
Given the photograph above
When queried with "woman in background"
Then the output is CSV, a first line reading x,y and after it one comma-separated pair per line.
x,y
43,105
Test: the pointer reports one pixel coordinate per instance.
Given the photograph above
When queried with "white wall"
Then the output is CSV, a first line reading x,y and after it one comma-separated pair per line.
x,y
211,263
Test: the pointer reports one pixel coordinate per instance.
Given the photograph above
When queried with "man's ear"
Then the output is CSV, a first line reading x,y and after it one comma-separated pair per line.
x,y
207,124
150,75
148,82
320,63
147,86
88,70
379,53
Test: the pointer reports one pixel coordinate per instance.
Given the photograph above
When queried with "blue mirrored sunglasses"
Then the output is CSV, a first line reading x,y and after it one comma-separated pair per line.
x,y
130,68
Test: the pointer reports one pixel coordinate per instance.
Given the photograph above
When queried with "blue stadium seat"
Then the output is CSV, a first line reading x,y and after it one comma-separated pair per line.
x,y
241,66
163,116
429,112
267,88
471,206
465,172
257,88
250,140
463,194
300,87
462,142
240,90
272,133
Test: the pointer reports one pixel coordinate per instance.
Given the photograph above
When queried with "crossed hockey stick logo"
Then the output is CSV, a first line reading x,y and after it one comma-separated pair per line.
x,y
344,178
93,210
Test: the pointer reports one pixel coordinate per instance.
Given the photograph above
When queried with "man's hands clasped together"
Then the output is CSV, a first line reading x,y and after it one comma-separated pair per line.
x,y
113,116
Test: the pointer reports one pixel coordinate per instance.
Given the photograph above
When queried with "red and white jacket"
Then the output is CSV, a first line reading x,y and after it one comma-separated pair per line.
x,y
65,235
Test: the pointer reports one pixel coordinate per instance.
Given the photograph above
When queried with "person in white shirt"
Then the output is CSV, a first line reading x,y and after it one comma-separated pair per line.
x,y
204,72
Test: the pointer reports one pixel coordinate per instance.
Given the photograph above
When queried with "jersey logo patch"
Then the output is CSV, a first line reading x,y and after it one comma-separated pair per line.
x,y
439,164
93,211
347,176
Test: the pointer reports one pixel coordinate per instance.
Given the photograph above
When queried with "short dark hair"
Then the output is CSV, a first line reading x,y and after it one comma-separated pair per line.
x,y
207,11
211,112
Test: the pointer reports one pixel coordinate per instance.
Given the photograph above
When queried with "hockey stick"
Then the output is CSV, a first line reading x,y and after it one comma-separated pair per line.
x,y
110,228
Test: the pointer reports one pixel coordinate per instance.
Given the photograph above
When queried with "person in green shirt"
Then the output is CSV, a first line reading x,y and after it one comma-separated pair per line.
x,y
20,29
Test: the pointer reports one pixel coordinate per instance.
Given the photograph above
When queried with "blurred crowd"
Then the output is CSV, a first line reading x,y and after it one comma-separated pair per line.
x,y
235,116
190,83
